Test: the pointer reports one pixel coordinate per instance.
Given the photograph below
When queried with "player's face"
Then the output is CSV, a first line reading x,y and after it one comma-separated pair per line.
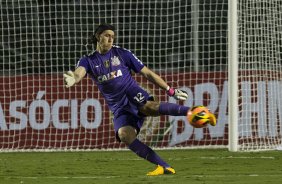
x,y
106,40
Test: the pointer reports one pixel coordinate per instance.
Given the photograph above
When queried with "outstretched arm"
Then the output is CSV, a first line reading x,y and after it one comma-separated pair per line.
x,y
156,79
153,77
71,78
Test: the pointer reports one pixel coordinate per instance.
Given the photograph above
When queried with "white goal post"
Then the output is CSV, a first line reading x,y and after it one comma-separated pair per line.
x,y
255,75
226,54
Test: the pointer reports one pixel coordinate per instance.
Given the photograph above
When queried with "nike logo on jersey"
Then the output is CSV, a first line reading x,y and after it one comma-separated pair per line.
x,y
109,76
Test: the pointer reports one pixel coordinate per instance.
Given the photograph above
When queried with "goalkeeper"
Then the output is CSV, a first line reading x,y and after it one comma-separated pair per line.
x,y
110,68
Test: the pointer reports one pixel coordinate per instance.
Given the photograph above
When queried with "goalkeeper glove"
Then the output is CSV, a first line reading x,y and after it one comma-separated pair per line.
x,y
177,93
69,79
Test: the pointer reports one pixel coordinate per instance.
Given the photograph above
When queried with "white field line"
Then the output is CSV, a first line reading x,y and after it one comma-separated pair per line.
x,y
60,177
186,158
228,157
203,158
111,177
193,158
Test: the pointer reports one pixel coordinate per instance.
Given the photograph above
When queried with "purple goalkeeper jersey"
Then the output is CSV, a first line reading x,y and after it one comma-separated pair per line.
x,y
112,74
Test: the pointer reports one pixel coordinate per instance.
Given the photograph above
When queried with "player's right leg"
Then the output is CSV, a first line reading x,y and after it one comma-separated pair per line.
x,y
127,135
161,170
127,126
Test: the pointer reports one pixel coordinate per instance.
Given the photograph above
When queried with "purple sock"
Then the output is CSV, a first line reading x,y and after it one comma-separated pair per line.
x,y
173,109
144,151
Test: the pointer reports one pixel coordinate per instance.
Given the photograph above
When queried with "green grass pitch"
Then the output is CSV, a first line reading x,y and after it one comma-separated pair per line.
x,y
199,166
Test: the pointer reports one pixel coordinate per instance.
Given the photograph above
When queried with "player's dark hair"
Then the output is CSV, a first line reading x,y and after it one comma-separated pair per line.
x,y
100,29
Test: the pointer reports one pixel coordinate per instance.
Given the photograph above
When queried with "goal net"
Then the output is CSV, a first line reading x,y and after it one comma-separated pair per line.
x,y
259,74
184,41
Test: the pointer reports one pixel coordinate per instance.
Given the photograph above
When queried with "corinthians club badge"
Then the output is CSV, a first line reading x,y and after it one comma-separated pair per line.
x,y
115,61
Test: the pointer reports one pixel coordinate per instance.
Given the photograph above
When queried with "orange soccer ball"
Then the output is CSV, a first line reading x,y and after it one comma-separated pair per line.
x,y
200,116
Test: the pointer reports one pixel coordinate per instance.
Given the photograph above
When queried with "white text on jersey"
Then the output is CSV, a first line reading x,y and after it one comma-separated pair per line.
x,y
109,76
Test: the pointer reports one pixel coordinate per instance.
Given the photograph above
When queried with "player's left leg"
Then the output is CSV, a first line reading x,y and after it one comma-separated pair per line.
x,y
148,107
153,108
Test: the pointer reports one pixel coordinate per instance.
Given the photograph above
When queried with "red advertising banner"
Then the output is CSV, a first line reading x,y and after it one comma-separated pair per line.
x,y
37,111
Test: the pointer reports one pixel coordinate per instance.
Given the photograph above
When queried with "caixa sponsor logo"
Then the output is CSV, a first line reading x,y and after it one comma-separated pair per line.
x,y
23,115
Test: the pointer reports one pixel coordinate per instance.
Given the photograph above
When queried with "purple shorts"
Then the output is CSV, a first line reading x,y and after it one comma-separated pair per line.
x,y
129,114
127,119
